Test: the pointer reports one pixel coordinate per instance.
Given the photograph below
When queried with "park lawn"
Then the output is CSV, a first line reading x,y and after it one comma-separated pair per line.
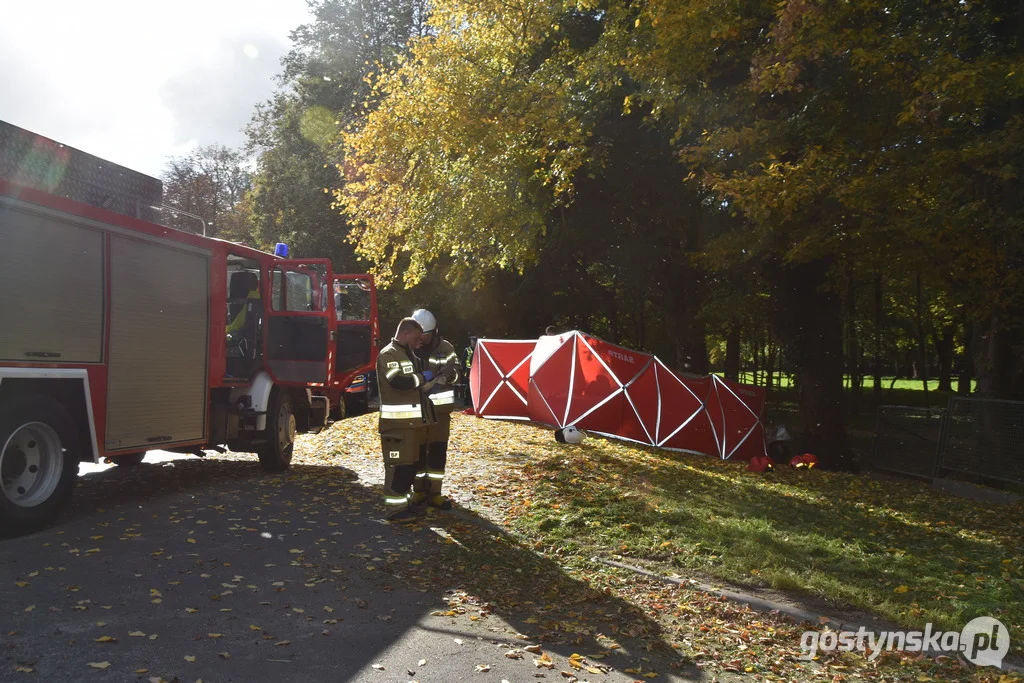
x,y
783,382
894,548
783,396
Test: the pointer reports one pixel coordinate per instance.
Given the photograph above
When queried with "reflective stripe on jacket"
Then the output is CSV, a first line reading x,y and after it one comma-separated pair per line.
x,y
406,407
439,355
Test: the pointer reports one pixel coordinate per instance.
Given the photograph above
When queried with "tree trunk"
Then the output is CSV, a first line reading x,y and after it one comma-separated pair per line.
x,y
996,368
922,348
687,328
944,349
879,314
686,294
696,349
963,384
732,353
810,321
612,297
769,364
642,331
755,348
853,348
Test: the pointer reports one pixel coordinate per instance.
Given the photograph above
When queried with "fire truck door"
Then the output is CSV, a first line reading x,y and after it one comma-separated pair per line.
x,y
355,306
299,324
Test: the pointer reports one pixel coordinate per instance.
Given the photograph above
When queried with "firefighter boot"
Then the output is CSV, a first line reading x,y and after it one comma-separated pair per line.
x,y
418,503
440,502
403,517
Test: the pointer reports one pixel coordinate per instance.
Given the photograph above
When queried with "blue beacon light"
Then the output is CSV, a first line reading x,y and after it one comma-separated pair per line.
x,y
281,250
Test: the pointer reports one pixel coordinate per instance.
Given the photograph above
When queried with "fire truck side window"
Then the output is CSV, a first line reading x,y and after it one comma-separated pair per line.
x,y
276,297
244,316
351,301
295,290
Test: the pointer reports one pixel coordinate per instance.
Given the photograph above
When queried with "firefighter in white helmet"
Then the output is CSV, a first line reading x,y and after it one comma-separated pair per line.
x,y
441,364
405,415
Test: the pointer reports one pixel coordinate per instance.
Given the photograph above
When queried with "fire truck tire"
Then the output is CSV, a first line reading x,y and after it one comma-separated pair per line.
x,y
38,462
356,404
129,460
276,454
339,409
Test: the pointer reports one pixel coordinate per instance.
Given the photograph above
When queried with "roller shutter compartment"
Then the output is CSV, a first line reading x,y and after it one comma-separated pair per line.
x,y
159,298
51,288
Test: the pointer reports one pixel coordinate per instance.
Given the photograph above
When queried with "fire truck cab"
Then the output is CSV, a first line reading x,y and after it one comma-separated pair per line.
x,y
119,335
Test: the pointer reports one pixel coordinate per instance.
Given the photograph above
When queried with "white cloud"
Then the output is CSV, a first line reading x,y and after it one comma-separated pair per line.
x,y
209,96
135,81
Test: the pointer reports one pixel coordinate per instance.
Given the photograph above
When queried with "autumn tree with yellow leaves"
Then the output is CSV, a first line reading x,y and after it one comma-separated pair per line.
x,y
817,145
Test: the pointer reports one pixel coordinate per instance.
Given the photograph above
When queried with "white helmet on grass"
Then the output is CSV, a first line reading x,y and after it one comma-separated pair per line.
x,y
569,434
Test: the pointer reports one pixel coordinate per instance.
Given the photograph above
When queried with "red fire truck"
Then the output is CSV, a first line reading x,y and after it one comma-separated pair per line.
x,y
119,335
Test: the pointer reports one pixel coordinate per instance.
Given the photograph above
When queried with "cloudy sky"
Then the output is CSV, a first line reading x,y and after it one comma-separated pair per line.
x,y
136,81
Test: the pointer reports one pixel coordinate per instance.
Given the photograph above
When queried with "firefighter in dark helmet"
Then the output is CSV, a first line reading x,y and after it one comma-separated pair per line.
x,y
405,415
441,365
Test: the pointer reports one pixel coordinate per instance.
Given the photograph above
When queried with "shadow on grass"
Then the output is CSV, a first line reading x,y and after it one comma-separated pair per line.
x,y
839,537
537,596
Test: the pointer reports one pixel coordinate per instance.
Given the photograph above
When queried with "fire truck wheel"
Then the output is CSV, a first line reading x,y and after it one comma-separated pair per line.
x,y
38,462
338,409
276,453
356,404
129,460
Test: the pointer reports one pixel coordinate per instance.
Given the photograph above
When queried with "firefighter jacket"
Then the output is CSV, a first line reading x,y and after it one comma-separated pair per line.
x,y
399,379
238,324
440,358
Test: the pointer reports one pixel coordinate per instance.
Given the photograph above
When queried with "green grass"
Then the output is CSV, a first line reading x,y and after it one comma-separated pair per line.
x,y
904,392
782,382
894,548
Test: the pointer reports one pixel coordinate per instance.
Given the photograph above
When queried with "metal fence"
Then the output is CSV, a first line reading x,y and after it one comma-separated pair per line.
x,y
983,438
979,437
907,440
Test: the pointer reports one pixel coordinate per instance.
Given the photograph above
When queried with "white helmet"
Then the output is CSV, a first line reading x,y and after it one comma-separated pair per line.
x,y
425,318
569,434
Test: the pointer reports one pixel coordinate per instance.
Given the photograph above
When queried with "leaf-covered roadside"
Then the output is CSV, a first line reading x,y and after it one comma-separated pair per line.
x,y
894,548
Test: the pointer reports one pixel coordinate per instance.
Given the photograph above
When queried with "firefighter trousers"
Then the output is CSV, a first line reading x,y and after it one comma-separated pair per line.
x,y
400,449
433,457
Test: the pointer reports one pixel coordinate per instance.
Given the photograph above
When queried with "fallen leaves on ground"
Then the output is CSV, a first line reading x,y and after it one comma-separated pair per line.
x,y
544,661
564,504
532,515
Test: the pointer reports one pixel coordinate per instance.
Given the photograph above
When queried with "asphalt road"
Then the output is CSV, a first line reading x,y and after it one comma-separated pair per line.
x,y
211,570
